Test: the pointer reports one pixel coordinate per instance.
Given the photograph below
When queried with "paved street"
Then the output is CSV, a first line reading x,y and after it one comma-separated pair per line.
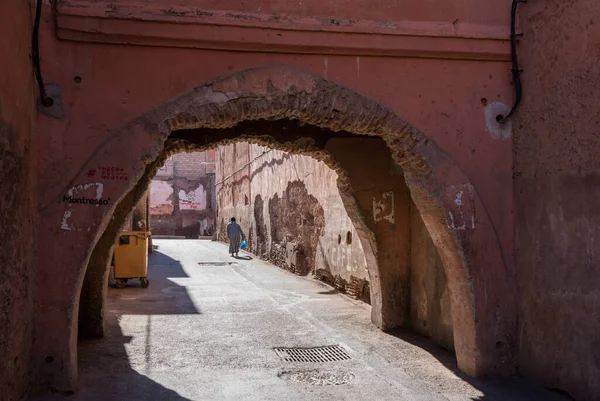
x,y
206,327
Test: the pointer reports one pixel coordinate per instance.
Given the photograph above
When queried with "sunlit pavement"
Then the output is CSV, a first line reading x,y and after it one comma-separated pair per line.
x,y
207,326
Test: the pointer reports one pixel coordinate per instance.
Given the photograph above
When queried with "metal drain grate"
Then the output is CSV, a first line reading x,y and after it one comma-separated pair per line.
x,y
329,353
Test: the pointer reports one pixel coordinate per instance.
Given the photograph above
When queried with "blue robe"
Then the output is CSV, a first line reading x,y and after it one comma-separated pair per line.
x,y
235,235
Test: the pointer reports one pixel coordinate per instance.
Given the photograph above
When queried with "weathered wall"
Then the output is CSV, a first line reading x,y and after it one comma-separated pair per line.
x,y
181,196
290,208
378,10
17,199
430,312
139,215
557,192
383,198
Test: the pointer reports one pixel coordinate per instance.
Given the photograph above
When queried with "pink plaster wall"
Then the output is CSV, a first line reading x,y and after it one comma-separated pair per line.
x,y
378,10
557,192
430,307
17,199
161,198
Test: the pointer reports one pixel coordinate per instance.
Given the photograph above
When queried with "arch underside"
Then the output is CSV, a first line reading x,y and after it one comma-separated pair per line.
x,y
209,112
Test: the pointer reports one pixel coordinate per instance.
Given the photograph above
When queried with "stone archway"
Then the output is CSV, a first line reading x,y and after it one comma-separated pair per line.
x,y
483,309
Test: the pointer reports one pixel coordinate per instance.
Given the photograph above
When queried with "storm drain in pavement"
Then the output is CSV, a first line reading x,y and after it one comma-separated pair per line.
x,y
328,353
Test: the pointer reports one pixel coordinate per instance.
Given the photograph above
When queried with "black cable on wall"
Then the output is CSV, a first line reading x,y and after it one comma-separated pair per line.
x,y
35,56
516,71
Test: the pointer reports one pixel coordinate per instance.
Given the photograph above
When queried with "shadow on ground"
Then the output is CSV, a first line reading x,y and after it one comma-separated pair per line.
x,y
494,389
106,373
134,300
333,291
105,368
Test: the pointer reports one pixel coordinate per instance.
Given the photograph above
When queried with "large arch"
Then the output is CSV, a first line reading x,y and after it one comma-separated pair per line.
x,y
483,308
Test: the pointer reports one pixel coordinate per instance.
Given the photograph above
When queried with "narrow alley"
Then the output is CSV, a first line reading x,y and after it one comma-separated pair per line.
x,y
206,329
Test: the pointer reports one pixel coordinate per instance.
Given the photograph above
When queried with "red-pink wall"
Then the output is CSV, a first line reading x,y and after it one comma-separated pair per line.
x,y
17,199
557,193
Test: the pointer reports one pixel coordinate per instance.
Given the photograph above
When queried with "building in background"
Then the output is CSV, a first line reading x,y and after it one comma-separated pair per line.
x,y
182,196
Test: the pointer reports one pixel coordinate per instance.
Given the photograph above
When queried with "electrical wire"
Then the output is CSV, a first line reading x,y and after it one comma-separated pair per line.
x,y
516,71
35,56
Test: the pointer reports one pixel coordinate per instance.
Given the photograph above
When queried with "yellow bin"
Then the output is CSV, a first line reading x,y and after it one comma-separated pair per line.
x,y
131,257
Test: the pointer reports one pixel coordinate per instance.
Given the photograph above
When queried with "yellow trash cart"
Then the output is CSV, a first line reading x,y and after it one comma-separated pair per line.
x,y
131,258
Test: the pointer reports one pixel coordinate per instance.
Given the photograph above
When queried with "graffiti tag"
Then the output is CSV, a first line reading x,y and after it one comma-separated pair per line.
x,y
383,208
77,195
85,201
462,215
186,204
109,173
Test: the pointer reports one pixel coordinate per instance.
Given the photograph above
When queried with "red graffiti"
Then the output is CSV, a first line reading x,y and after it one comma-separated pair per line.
x,y
113,173
189,205
91,173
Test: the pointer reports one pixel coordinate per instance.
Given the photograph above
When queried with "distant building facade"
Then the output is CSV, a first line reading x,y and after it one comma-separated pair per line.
x,y
182,197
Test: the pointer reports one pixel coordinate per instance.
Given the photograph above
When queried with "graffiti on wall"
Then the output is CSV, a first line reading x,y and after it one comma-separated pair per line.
x,y
342,256
383,208
112,173
189,205
192,200
83,194
462,214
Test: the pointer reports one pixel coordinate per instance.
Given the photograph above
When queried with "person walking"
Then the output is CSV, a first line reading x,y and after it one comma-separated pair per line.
x,y
235,235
